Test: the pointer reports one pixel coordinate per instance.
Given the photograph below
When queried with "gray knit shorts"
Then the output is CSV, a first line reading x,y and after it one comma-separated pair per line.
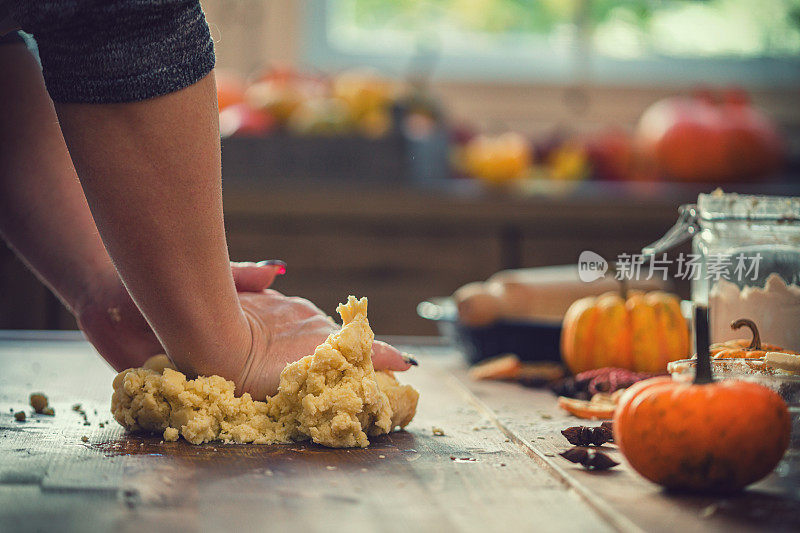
x,y
116,50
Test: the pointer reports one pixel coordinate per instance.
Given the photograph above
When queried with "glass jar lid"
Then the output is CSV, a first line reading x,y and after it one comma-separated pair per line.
x,y
719,206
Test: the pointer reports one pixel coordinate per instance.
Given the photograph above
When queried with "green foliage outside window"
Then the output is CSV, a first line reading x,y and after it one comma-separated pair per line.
x,y
625,29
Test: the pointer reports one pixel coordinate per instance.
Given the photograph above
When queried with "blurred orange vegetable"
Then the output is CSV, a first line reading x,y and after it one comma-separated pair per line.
x,y
497,160
696,138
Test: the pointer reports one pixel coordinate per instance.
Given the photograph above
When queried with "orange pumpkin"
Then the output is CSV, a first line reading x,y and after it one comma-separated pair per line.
x,y
698,138
718,436
742,348
683,138
642,332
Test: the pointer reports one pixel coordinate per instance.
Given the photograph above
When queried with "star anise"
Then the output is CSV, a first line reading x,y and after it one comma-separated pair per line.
x,y
590,459
588,436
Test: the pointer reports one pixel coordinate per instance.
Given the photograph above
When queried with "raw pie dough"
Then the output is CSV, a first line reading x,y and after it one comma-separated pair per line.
x,y
334,397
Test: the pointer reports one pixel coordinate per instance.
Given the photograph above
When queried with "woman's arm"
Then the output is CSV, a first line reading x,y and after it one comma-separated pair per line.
x,y
45,218
44,213
151,173
137,106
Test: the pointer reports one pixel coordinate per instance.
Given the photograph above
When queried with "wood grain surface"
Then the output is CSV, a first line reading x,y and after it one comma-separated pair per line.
x,y
532,419
495,468
472,479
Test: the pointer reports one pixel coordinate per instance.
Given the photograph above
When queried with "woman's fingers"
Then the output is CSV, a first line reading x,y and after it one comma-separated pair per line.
x,y
255,277
386,357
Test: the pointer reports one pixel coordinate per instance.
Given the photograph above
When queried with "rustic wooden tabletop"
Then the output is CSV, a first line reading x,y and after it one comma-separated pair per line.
x,y
495,468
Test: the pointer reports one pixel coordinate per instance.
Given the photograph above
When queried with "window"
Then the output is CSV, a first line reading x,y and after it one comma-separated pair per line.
x,y
606,41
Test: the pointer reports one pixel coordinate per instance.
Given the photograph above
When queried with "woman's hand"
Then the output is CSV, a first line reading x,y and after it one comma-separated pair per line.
x,y
111,321
285,329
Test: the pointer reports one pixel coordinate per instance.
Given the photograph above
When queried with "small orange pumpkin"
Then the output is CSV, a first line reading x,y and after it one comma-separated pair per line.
x,y
641,332
702,436
719,436
741,348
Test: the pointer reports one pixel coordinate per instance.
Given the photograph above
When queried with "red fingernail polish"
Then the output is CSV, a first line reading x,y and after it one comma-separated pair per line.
x,y
274,263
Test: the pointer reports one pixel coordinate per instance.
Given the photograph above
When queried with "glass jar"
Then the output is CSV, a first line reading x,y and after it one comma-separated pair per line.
x,y
746,262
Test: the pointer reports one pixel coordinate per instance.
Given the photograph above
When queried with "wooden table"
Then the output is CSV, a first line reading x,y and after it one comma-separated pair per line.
x,y
495,469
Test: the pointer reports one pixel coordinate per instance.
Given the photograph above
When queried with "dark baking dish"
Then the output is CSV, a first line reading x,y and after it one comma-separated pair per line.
x,y
529,340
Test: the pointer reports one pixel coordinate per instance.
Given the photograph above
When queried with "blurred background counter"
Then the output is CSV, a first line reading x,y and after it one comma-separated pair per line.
x,y
399,244
399,150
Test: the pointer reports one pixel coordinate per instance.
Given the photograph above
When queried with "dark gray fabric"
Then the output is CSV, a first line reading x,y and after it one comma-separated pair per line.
x,y
109,51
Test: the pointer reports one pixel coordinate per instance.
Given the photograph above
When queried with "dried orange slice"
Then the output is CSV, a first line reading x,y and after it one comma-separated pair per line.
x,y
541,371
503,367
596,409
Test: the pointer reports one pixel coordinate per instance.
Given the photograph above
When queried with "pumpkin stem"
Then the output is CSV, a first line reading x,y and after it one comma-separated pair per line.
x,y
623,282
702,373
756,342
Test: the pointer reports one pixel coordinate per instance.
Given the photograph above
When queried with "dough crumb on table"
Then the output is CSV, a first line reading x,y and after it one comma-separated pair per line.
x,y
333,397
38,401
